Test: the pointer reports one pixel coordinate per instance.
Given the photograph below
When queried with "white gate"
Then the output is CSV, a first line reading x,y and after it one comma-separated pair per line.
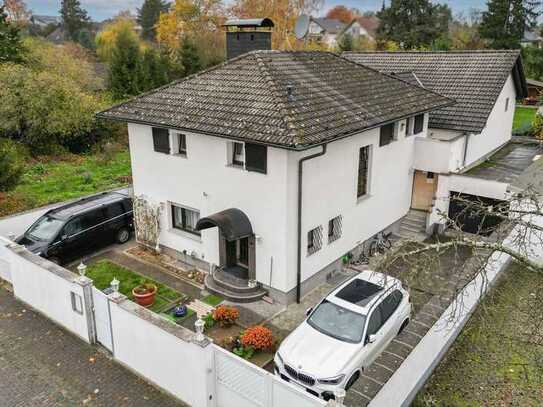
x,y
102,319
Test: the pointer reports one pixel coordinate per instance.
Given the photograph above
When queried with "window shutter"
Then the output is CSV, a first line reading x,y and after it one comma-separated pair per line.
x,y
161,140
419,124
386,135
256,158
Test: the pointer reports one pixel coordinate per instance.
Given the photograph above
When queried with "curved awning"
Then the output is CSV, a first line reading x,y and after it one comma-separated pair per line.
x,y
233,223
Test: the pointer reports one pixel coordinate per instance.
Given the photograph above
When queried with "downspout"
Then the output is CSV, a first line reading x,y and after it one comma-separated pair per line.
x,y
300,183
466,139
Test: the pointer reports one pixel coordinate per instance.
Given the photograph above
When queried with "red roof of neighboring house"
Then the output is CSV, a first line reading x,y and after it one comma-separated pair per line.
x,y
370,24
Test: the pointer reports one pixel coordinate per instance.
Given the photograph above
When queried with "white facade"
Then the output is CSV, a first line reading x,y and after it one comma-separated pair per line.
x,y
204,181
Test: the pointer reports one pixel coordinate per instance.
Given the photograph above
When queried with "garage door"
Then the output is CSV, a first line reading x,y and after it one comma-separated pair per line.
x,y
473,214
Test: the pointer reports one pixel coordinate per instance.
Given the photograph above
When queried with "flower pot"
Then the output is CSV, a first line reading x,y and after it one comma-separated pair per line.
x,y
147,299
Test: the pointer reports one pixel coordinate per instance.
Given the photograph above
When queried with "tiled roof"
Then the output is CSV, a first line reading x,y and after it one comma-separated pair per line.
x,y
247,98
473,78
409,77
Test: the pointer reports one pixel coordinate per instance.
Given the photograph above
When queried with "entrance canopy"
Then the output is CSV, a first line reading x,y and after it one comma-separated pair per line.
x,y
233,223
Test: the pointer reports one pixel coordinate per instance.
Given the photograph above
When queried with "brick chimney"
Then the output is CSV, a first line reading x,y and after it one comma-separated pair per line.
x,y
245,35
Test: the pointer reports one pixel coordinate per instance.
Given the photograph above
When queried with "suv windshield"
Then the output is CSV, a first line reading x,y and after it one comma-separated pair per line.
x,y
45,229
337,322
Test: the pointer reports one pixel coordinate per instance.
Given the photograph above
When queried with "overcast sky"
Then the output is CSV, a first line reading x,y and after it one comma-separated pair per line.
x,y
102,9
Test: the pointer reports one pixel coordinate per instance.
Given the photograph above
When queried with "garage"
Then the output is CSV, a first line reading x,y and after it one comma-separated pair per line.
x,y
474,214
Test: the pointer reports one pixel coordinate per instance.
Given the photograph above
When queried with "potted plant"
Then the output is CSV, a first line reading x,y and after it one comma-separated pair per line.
x,y
144,294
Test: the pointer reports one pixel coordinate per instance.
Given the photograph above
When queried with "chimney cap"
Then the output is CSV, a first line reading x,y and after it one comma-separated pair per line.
x,y
249,22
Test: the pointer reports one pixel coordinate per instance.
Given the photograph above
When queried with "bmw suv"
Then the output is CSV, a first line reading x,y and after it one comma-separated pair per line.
x,y
69,231
344,334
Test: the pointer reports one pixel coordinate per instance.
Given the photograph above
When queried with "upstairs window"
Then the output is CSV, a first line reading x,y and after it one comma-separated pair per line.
x,y
181,143
409,126
334,229
363,171
419,124
161,140
314,240
252,157
386,135
238,154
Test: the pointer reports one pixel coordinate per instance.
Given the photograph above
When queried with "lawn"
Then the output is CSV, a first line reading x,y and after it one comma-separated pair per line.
x,y
103,271
498,358
523,117
212,300
50,180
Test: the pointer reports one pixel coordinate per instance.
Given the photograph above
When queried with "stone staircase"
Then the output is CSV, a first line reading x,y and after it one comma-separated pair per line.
x,y
232,288
413,225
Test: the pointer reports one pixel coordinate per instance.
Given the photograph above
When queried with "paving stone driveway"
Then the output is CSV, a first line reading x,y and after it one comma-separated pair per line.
x,y
42,365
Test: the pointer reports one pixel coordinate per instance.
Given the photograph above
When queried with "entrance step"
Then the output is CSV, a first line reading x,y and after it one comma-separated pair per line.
x,y
201,308
413,225
232,293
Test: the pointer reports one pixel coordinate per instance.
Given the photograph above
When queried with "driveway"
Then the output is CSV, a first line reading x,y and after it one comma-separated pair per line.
x,y
42,365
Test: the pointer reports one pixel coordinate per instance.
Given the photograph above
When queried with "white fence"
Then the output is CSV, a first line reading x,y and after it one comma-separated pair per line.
x,y
241,384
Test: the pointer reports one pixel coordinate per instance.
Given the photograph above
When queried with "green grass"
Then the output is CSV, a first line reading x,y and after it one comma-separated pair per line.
x,y
496,360
212,300
51,180
103,271
523,117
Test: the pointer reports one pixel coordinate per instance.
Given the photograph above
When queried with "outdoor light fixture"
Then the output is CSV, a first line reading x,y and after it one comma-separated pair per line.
x,y
82,269
115,285
199,325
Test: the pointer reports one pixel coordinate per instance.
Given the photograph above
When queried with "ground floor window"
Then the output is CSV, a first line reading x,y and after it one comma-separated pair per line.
x,y
314,240
185,219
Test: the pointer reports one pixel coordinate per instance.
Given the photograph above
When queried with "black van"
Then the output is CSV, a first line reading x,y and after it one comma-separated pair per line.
x,y
67,232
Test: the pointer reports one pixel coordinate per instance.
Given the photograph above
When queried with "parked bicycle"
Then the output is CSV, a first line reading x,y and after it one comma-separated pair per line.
x,y
380,244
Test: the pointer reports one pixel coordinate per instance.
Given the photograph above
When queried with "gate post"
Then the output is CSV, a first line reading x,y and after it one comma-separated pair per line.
x,y
88,304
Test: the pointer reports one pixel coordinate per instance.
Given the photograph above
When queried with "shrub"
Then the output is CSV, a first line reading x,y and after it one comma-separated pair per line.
x,y
11,166
526,130
209,321
245,352
225,315
257,337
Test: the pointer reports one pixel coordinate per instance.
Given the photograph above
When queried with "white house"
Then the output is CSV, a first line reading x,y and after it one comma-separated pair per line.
x,y
485,86
273,165
329,31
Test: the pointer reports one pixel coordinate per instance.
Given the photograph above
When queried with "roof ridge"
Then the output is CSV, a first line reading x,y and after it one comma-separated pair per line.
x,y
459,51
286,117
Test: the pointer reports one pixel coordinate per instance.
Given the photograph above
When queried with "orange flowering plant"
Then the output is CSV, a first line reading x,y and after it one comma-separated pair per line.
x,y
257,337
225,315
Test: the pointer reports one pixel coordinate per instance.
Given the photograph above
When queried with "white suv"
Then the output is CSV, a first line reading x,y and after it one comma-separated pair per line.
x,y
344,334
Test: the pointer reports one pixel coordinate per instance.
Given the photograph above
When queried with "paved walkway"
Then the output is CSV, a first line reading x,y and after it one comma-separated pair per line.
x,y
42,365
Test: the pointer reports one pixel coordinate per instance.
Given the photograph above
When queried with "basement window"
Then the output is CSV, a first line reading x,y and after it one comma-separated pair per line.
x,y
314,240
161,140
334,228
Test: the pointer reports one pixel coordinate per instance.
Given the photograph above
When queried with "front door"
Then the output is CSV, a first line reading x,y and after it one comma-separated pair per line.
x,y
237,253
424,189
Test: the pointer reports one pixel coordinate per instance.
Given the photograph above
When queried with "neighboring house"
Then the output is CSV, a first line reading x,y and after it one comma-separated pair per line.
x,y
531,38
535,91
329,31
485,85
274,164
43,21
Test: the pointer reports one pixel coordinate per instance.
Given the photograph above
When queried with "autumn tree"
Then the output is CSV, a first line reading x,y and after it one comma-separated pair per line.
x,y
17,11
505,21
74,18
148,16
11,47
414,23
341,13
106,39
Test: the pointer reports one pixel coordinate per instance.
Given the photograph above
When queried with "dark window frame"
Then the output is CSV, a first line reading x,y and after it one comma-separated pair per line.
x,y
256,158
314,240
161,135
335,228
181,224
181,144
363,171
418,125
387,134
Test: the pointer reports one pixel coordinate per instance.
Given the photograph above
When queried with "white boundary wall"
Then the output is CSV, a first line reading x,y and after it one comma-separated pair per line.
x,y
5,266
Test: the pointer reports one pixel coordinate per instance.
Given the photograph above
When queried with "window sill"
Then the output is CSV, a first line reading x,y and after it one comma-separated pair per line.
x,y
363,198
236,166
187,235
180,155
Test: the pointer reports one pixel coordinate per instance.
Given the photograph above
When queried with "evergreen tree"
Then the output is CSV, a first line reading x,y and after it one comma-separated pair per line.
x,y
189,57
505,21
74,18
148,16
125,68
11,47
413,23
345,43
153,71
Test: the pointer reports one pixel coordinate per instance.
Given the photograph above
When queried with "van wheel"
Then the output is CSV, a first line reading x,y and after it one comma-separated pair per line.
x,y
403,326
123,235
352,380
